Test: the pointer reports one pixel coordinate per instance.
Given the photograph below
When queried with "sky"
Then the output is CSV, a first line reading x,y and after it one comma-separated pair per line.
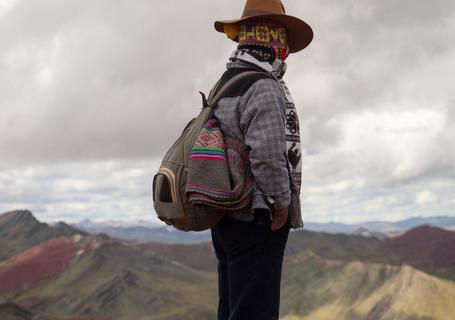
x,y
92,93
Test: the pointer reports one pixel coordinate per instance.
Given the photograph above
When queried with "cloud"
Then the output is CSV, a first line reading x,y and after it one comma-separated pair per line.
x,y
372,55
426,197
92,82
75,191
90,88
6,6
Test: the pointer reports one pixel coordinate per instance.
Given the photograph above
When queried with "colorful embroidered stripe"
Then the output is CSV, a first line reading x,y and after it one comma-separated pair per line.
x,y
207,157
210,127
202,151
207,148
210,153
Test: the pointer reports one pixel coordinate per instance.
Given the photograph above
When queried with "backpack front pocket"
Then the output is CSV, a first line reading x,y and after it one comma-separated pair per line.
x,y
164,186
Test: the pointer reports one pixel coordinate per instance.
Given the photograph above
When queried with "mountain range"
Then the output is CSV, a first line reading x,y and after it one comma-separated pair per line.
x,y
140,231
56,272
148,231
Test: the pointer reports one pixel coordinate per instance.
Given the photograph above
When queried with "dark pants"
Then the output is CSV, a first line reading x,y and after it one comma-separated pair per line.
x,y
250,259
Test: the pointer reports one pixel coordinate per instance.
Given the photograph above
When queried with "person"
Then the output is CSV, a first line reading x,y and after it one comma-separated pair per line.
x,y
249,244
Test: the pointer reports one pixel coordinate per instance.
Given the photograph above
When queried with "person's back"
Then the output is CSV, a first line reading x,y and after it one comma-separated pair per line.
x,y
250,244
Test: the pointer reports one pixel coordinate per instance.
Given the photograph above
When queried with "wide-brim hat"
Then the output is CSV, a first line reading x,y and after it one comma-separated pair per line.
x,y
299,33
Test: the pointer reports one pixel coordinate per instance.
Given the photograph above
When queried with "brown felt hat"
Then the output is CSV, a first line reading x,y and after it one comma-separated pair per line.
x,y
299,33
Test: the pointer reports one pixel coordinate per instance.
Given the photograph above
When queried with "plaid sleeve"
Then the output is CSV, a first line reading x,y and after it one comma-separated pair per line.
x,y
263,123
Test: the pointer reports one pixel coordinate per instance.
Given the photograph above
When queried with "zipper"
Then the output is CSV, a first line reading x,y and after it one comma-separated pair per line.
x,y
170,175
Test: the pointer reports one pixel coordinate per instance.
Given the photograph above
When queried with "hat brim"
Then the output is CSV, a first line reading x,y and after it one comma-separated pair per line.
x,y
299,33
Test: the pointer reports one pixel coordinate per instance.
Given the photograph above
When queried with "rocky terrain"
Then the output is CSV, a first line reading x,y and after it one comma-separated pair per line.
x,y
59,272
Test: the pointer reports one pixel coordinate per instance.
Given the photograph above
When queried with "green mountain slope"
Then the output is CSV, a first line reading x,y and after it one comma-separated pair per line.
x,y
315,288
20,230
345,247
58,274
12,311
120,281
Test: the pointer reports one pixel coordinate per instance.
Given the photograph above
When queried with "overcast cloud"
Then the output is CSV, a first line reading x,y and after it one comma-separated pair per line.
x,y
93,92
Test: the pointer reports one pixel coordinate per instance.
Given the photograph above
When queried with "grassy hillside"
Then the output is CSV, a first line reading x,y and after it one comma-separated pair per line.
x,y
345,247
20,230
12,311
120,281
315,288
58,274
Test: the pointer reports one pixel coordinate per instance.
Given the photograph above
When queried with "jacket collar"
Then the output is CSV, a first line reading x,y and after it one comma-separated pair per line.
x,y
244,58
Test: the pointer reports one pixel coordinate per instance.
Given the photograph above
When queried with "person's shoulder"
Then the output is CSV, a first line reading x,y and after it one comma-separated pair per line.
x,y
266,86
249,80
266,82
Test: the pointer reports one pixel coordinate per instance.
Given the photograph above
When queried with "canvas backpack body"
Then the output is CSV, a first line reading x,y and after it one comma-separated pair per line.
x,y
170,201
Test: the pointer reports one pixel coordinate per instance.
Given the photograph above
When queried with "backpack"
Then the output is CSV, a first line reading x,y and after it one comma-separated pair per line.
x,y
171,194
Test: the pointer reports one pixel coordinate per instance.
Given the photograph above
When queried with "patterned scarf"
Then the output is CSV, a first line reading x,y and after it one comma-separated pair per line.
x,y
278,68
259,58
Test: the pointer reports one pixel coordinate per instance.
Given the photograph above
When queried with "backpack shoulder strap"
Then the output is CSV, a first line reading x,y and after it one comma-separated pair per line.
x,y
215,88
233,82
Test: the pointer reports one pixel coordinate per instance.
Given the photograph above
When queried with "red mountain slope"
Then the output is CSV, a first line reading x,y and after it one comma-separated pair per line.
x,y
425,246
40,262
19,230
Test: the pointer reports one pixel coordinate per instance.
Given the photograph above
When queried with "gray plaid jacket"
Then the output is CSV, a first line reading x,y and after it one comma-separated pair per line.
x,y
258,119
